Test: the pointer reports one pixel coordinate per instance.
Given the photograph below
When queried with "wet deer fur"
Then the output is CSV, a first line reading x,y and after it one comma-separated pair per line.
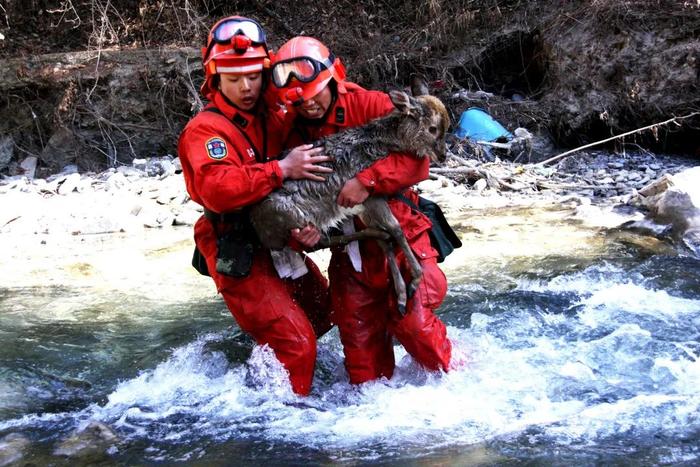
x,y
416,126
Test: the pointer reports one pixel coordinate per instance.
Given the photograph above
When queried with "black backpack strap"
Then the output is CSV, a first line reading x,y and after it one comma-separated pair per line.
x,y
401,197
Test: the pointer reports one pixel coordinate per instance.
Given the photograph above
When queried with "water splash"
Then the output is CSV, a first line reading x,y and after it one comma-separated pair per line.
x,y
595,357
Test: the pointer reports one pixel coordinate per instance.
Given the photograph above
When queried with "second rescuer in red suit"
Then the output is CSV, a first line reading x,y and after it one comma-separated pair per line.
x,y
312,84
228,158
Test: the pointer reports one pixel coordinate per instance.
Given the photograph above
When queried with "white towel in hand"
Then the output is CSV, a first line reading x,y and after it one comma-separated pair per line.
x,y
288,263
352,248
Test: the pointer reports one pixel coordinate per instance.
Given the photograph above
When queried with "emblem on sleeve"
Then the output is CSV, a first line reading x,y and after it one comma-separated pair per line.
x,y
216,148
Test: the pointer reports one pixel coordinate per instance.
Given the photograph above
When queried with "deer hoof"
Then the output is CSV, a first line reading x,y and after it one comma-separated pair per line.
x,y
412,287
402,309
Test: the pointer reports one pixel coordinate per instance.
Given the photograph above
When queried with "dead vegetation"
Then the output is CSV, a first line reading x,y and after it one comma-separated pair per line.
x,y
574,71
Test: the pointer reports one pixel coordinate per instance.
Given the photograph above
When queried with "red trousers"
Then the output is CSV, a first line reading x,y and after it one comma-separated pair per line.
x,y
287,315
365,310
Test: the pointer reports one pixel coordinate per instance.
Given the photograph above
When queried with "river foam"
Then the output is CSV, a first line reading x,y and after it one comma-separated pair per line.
x,y
615,361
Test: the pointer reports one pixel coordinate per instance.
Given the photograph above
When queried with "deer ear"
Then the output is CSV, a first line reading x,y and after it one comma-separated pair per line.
x,y
401,101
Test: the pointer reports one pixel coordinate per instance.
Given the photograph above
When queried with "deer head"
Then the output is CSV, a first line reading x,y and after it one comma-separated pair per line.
x,y
423,129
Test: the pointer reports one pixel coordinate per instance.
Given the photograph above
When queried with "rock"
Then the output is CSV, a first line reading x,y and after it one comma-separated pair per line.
x,y
7,148
61,149
194,206
17,182
12,448
85,184
101,224
151,216
129,171
180,198
70,169
178,165
429,186
139,164
28,166
187,217
675,200
90,443
159,167
480,185
69,184
116,181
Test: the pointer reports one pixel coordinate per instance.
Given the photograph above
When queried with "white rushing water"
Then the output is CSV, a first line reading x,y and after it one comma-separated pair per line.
x,y
619,360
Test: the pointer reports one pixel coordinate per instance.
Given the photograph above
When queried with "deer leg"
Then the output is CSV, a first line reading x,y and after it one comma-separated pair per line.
x,y
377,214
337,240
416,270
399,284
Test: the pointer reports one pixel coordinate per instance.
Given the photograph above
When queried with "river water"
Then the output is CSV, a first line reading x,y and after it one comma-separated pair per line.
x,y
576,344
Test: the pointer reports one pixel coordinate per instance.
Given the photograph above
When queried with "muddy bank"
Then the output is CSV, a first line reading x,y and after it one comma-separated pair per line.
x,y
119,81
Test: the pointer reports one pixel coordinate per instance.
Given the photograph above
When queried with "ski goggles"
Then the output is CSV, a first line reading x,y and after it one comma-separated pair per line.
x,y
304,69
230,31
232,27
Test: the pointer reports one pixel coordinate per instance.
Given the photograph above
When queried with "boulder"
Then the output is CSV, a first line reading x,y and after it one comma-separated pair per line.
x,y
12,448
674,200
28,166
69,184
88,444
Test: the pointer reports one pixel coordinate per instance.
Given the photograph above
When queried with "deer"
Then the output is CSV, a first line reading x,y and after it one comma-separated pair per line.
x,y
417,125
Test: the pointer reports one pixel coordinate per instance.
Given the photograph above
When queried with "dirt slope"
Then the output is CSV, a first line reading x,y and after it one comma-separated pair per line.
x,y
99,82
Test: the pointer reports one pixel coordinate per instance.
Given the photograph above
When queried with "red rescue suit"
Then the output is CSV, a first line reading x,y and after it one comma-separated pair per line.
x,y
226,164
364,304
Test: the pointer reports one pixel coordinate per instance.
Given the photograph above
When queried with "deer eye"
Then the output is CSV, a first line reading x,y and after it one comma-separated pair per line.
x,y
433,130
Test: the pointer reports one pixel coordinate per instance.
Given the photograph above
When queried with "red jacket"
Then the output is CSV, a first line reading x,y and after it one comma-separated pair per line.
x,y
226,157
355,106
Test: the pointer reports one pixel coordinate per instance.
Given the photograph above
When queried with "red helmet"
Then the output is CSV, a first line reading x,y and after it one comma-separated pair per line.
x,y
235,45
302,67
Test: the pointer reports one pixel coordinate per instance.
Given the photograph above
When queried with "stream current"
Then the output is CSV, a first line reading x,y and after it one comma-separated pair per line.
x,y
575,345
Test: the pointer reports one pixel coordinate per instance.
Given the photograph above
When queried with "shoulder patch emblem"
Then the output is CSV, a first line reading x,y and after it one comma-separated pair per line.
x,y
216,148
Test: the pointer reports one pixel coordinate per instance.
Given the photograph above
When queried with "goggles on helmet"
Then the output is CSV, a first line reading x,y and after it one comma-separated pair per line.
x,y
304,69
231,27
230,30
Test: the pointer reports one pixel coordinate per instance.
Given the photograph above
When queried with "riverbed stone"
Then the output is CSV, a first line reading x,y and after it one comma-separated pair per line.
x,y
675,200
480,185
69,184
28,166
155,216
12,448
187,217
89,444
116,181
129,171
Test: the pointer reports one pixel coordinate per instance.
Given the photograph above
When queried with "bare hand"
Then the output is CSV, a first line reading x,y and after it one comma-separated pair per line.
x,y
301,162
308,236
352,193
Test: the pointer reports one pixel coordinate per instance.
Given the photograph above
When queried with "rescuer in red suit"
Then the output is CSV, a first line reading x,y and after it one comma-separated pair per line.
x,y
311,83
228,154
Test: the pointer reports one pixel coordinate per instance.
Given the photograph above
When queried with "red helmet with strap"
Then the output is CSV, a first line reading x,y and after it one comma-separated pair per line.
x,y
302,67
235,45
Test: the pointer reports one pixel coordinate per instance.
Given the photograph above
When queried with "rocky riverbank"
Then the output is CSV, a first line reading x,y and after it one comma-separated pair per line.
x,y
150,193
